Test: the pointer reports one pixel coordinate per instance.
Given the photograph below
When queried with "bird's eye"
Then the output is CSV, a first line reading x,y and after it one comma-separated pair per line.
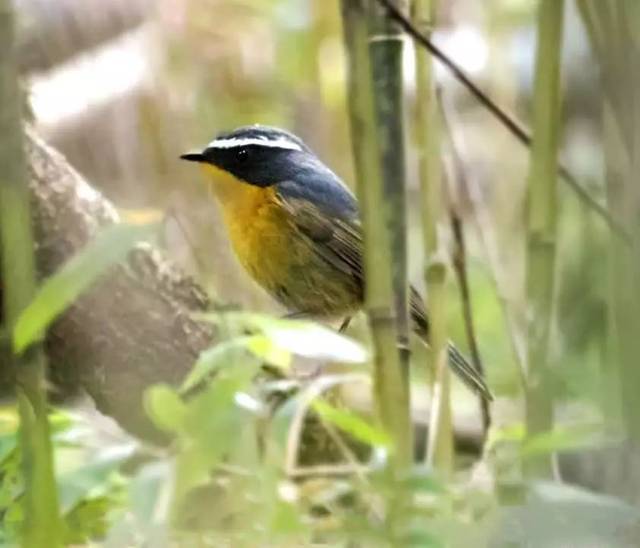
x,y
242,155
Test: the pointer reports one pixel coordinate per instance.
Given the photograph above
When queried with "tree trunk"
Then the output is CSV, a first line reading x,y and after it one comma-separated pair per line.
x,y
133,328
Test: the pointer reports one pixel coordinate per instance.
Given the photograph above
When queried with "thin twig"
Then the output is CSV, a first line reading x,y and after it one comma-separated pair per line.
x,y
314,390
324,470
460,268
458,173
173,213
483,225
350,457
515,127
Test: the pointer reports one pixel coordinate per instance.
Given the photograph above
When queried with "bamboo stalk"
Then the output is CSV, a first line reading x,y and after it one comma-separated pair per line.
x,y
390,380
386,45
612,28
439,450
41,518
541,229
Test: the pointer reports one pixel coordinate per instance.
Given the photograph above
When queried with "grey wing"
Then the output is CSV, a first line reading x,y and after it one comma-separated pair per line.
x,y
327,213
337,241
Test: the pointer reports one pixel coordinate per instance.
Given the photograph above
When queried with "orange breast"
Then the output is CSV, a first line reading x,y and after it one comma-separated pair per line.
x,y
257,226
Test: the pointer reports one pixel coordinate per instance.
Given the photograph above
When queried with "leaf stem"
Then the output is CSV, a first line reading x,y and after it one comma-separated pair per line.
x,y
42,526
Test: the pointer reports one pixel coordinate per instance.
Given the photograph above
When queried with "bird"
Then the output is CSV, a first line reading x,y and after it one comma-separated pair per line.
x,y
295,228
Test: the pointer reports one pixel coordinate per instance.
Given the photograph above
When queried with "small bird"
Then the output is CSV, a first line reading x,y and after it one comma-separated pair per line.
x,y
294,226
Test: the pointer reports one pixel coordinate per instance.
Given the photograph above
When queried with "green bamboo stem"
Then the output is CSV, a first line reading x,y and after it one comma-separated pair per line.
x,y
622,127
386,45
613,31
439,450
41,519
541,229
390,381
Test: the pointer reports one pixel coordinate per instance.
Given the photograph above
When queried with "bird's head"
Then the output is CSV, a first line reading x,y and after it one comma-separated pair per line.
x,y
256,155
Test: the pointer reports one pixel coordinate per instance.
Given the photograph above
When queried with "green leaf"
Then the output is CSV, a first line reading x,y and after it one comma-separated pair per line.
x,y
212,416
423,480
270,352
315,341
302,338
92,478
150,492
513,432
235,352
351,423
77,275
419,538
88,520
561,438
165,407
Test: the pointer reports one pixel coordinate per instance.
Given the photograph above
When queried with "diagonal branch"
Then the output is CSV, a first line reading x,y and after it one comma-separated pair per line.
x,y
516,128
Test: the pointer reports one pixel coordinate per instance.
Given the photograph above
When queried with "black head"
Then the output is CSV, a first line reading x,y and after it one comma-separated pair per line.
x,y
258,155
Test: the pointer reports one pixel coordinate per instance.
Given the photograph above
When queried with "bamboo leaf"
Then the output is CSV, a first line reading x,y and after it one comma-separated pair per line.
x,y
351,423
228,353
164,407
75,277
79,483
559,439
302,338
315,341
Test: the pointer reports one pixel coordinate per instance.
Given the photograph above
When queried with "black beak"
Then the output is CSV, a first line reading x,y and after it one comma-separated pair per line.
x,y
193,157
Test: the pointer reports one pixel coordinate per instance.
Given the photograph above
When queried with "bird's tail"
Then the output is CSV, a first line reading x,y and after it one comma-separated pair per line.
x,y
467,373
458,363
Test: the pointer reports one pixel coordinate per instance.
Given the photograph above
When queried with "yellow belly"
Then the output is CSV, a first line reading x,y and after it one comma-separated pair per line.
x,y
279,257
261,240
258,229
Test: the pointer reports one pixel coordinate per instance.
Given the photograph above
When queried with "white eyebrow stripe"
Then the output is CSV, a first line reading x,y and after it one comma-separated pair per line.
x,y
273,143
